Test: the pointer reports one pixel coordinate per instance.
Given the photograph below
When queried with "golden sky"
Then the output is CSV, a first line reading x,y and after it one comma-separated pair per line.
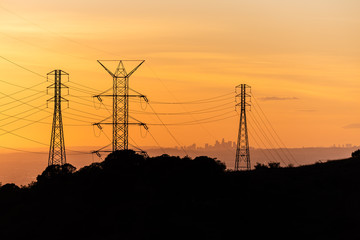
x,y
301,59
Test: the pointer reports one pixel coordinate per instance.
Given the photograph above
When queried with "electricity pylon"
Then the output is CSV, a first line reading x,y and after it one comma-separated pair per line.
x,y
57,155
120,118
242,159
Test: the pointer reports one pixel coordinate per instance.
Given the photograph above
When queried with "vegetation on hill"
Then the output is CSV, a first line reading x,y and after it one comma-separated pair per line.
x,y
356,154
128,196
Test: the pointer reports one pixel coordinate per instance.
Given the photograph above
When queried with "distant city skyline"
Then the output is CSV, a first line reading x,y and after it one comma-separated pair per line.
x,y
22,168
232,144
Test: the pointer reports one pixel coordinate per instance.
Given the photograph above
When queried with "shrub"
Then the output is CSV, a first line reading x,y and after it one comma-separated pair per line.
x,y
356,154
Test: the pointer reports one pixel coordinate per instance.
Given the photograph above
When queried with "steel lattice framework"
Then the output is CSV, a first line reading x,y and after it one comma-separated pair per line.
x,y
120,118
242,159
57,155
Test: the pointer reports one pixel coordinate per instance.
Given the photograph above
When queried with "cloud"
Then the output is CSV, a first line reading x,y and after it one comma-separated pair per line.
x,y
278,98
353,125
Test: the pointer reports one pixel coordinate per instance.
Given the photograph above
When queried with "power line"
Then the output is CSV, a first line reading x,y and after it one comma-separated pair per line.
x,y
261,140
199,111
257,124
19,100
271,126
86,87
23,88
182,105
91,114
20,136
89,120
168,130
77,152
196,122
55,33
20,66
271,135
47,123
257,143
82,90
22,103
21,150
157,143
21,113
21,118
199,101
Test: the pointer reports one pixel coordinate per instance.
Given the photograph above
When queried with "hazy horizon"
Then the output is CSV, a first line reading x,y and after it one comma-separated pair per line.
x,y
22,168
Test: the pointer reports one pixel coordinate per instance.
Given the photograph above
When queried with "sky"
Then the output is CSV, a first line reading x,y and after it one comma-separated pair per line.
x,y
301,59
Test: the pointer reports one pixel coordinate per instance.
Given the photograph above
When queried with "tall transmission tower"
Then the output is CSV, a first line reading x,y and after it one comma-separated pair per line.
x,y
57,155
242,159
120,95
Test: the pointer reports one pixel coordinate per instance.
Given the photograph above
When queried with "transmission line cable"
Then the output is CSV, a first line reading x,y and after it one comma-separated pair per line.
x,y
17,100
87,87
135,145
24,118
168,130
47,123
23,88
21,150
262,142
20,66
21,105
259,147
19,114
44,48
17,135
197,122
199,101
157,143
78,152
271,126
91,114
83,90
182,105
88,119
55,33
199,111
257,124
271,135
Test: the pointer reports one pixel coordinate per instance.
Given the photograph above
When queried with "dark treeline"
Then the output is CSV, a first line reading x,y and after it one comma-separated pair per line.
x,y
129,196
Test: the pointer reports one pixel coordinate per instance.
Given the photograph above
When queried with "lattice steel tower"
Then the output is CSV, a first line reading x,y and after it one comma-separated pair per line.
x,y
120,118
242,159
57,155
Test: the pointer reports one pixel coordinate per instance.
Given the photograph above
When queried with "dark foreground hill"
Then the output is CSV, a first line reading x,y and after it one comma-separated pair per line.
x,y
131,197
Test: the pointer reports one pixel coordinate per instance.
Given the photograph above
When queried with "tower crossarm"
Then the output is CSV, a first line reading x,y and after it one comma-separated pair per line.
x,y
120,95
132,71
112,74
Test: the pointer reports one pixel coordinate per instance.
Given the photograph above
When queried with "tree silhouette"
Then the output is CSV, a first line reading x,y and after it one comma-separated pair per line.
x,y
56,174
260,166
274,165
130,196
356,154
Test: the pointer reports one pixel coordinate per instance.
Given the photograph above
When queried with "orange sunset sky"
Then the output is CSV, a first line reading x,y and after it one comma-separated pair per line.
x,y
301,58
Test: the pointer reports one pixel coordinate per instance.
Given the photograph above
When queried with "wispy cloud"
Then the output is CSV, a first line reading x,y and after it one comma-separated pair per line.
x,y
352,125
278,98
